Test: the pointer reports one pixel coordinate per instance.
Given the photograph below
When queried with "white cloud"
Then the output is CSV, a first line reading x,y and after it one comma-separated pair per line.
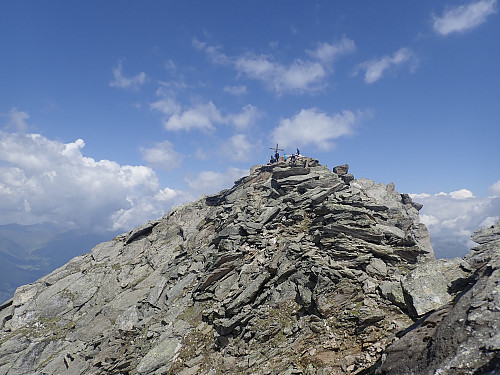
x,y
201,154
209,182
489,221
162,156
310,126
464,17
236,90
429,220
375,69
167,105
201,116
166,195
495,188
140,209
248,115
17,120
43,180
238,148
120,81
301,75
170,65
327,53
420,196
213,52
258,67
452,218
462,194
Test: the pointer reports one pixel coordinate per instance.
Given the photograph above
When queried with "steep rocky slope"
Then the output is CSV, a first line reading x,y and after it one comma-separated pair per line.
x,y
293,270
463,335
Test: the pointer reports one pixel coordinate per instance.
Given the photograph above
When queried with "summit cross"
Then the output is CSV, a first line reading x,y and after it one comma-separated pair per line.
x,y
276,149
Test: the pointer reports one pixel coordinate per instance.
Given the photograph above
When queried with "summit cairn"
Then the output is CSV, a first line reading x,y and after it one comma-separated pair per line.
x,y
292,270
342,171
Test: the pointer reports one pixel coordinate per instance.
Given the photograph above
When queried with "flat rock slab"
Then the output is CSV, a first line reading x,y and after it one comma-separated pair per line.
x,y
279,173
427,287
161,356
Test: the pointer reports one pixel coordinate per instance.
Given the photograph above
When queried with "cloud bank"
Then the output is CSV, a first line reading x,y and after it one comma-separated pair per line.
x,y
452,218
43,180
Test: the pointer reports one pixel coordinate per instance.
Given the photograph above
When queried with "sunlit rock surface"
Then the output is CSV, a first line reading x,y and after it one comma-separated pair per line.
x,y
294,270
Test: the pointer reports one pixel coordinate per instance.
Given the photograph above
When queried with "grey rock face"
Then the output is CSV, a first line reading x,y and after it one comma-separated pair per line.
x,y
431,285
463,335
341,169
292,270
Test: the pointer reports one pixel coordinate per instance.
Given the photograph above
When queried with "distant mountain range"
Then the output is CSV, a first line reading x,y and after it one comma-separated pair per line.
x,y
27,252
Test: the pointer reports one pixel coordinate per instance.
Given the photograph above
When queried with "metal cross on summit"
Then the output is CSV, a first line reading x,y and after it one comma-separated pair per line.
x,y
276,149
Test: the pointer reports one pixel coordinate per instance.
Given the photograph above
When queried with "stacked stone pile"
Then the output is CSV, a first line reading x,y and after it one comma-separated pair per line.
x,y
294,270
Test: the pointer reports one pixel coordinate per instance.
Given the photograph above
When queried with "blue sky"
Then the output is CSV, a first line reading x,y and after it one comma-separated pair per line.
x,y
112,112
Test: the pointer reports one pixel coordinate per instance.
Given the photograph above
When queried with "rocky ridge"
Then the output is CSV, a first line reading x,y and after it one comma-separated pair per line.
x,y
294,270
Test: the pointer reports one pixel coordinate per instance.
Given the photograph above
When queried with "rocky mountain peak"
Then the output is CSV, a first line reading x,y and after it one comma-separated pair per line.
x,y
295,269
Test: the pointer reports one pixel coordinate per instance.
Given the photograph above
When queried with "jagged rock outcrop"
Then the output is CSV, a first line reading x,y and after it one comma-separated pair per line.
x,y
292,270
460,334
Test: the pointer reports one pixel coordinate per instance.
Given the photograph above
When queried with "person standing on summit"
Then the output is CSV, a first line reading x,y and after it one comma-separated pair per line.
x,y
298,151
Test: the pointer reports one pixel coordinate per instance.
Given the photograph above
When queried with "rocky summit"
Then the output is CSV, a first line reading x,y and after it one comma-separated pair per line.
x,y
293,270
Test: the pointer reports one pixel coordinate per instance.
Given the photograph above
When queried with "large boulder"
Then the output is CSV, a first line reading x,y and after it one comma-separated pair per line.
x,y
433,284
341,169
